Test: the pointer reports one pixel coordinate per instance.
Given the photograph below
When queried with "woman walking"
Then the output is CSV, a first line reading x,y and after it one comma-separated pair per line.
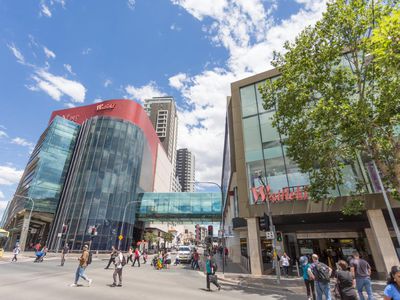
x,y
309,283
345,282
392,290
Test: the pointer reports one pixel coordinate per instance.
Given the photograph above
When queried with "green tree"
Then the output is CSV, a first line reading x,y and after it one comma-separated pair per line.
x,y
329,98
151,237
168,237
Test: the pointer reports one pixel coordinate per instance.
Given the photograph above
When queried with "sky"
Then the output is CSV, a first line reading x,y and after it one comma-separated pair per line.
x,y
56,54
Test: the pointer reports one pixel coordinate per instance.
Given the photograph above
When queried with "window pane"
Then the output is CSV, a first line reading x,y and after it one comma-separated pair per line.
x,y
252,141
248,100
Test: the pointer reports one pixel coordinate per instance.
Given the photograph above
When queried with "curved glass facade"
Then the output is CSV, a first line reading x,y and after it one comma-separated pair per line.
x,y
265,150
104,179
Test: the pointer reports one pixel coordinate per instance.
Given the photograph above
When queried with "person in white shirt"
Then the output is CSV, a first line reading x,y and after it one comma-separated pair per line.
x,y
16,251
120,262
285,263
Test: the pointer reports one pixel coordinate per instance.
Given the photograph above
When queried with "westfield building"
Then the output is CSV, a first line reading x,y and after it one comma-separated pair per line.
x,y
84,176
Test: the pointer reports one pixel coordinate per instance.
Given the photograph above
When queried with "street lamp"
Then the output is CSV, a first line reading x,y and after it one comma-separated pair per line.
x,y
123,222
223,220
29,218
271,224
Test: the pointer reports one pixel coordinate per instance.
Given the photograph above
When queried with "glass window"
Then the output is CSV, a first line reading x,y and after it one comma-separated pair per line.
x,y
268,132
252,140
248,100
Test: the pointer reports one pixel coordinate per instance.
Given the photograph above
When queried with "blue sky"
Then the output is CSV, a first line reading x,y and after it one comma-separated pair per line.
x,y
63,53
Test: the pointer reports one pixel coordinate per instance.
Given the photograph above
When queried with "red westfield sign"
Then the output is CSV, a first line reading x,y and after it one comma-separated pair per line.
x,y
105,106
286,194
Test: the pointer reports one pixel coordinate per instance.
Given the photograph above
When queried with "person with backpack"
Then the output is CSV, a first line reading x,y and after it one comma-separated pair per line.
x,y
361,271
309,283
321,274
392,290
211,269
84,261
120,262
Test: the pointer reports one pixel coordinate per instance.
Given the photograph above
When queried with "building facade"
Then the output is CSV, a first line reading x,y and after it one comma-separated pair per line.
x,y
185,169
84,177
253,147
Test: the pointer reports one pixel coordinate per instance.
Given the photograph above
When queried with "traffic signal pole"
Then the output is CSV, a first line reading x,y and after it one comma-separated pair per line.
x,y
272,228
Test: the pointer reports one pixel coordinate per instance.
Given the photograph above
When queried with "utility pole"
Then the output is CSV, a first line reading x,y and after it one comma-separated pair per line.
x,y
272,228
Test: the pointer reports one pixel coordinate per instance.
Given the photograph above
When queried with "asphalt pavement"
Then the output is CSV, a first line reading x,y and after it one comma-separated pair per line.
x,y
48,280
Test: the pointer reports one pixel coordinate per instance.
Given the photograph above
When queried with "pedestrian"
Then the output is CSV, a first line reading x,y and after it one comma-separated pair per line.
x,y
130,254
137,257
309,283
345,282
211,268
361,271
196,258
226,252
285,264
37,247
392,290
167,259
64,252
84,260
113,254
16,251
144,255
321,274
120,262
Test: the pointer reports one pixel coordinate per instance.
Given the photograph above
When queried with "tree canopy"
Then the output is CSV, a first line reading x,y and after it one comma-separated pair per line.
x,y
338,95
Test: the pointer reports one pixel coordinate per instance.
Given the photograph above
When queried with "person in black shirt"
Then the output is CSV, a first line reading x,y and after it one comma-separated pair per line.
x,y
345,282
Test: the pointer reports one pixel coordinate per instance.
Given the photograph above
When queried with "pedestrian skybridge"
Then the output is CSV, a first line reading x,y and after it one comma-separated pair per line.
x,y
180,207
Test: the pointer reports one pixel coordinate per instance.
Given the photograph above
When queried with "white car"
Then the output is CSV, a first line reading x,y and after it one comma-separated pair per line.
x,y
184,254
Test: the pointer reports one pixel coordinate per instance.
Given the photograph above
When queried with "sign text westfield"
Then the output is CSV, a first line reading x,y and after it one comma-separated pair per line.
x,y
286,194
105,106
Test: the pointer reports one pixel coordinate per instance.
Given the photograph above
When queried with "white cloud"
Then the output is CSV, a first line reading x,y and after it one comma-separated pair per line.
x,y
57,86
3,206
131,4
177,81
48,52
107,82
9,175
69,69
175,27
22,142
70,105
45,10
86,51
3,134
248,31
1,196
144,92
18,55
98,100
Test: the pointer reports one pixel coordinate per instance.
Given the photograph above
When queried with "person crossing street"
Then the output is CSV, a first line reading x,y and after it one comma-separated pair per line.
x,y
84,260
120,262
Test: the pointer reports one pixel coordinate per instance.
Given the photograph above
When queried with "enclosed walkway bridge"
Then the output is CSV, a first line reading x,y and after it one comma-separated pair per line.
x,y
181,207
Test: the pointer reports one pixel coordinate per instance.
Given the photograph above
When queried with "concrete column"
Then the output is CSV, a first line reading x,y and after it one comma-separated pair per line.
x,y
383,241
254,246
376,254
24,231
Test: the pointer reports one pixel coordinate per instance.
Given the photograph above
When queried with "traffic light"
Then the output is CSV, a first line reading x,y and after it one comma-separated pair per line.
x,y
264,223
210,230
93,232
279,236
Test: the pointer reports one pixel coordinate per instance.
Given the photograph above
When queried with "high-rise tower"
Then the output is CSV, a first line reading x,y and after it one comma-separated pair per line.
x,y
185,169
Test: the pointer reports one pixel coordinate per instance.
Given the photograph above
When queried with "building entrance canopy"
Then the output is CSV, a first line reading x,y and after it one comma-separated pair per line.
x,y
179,206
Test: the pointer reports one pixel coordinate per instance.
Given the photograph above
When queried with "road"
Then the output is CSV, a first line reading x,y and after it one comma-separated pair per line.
x,y
27,280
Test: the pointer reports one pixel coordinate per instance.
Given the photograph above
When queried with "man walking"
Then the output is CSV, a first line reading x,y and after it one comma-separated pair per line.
x,y
137,256
83,263
361,271
211,268
321,274
120,262
64,251
113,254
16,251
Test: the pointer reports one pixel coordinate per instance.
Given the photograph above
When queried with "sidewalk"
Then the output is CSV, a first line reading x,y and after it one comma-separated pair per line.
x,y
236,275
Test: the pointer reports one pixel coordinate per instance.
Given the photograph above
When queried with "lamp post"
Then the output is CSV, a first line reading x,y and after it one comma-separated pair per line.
x,y
23,241
123,222
223,220
272,228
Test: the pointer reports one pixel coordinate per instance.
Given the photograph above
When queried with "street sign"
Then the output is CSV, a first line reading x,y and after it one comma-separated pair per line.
x,y
120,237
269,235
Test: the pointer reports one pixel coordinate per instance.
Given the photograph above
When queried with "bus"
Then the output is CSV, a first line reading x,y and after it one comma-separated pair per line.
x,y
3,240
